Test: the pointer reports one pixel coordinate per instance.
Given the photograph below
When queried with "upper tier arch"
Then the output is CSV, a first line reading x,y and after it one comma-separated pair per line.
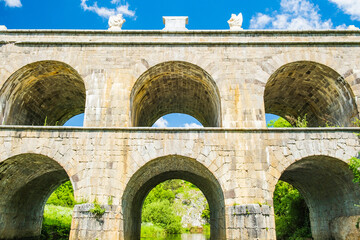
x,y
172,87
308,88
42,92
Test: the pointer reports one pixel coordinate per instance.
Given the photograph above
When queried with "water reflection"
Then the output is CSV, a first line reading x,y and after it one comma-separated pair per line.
x,y
184,236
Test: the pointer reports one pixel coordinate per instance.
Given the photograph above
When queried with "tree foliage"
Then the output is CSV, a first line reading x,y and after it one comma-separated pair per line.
x,y
291,213
63,196
279,123
355,168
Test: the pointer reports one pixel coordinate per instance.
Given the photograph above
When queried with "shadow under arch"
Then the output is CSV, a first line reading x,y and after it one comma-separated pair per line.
x,y
175,87
45,91
26,182
165,168
310,88
326,185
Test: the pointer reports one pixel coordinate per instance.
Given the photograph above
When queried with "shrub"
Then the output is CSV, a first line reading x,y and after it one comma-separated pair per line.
x,y
161,213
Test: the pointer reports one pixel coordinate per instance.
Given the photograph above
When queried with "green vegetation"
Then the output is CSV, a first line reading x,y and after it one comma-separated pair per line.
x,y
58,213
63,196
355,168
291,212
279,123
161,213
161,209
97,210
149,230
56,223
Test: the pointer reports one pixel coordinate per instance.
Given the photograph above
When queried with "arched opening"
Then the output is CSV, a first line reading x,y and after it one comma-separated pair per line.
x,y
175,87
165,168
312,90
175,209
26,182
327,187
42,93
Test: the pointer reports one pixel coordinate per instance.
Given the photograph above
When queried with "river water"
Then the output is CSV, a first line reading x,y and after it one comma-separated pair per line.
x,y
184,236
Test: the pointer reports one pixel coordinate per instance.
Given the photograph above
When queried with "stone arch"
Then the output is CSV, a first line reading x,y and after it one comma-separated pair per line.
x,y
26,182
175,86
165,168
326,184
50,90
306,87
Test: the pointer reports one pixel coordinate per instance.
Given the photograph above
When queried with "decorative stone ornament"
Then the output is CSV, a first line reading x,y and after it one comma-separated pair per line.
x,y
235,22
3,28
175,23
116,22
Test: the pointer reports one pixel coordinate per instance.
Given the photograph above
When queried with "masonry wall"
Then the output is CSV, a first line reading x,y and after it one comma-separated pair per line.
x,y
246,163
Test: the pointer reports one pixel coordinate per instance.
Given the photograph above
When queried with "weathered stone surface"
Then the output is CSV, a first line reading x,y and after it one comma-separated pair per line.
x,y
344,228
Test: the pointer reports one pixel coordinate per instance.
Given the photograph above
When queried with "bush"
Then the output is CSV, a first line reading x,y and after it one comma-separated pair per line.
x,y
161,213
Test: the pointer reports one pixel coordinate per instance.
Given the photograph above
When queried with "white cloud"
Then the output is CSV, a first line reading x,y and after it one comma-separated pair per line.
x,y
107,12
124,9
260,21
13,3
350,7
161,123
294,15
192,125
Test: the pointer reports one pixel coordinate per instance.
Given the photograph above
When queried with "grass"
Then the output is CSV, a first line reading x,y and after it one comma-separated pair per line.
x,y
56,223
149,230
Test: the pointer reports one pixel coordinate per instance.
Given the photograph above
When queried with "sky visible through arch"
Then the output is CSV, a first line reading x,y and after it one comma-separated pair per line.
x,y
203,14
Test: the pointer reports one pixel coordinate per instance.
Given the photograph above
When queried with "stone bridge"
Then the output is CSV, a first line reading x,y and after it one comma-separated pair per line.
x,y
124,81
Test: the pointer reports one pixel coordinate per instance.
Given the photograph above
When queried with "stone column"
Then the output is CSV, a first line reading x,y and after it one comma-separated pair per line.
x,y
250,221
87,225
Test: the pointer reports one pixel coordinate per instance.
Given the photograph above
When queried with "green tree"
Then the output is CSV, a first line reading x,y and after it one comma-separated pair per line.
x,y
291,213
63,196
355,168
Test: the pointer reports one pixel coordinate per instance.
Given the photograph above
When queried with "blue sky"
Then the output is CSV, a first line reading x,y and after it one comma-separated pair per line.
x,y
203,14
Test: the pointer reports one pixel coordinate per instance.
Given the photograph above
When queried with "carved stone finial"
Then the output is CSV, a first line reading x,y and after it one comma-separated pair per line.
x,y
116,22
352,27
235,22
3,28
